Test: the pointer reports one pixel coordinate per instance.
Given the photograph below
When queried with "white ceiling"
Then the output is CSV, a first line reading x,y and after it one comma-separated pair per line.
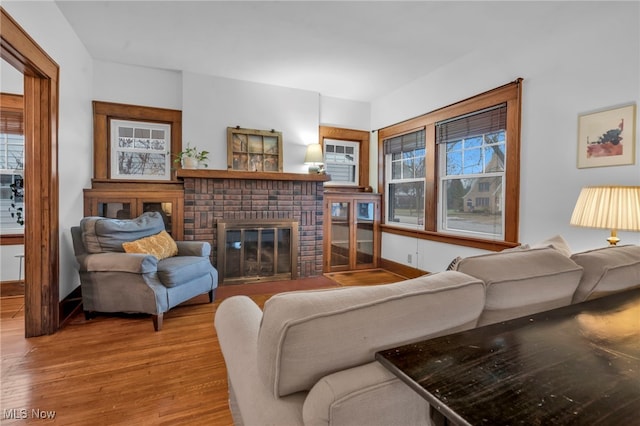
x,y
356,50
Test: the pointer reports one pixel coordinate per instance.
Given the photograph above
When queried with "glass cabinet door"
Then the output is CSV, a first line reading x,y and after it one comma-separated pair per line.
x,y
114,210
340,215
364,233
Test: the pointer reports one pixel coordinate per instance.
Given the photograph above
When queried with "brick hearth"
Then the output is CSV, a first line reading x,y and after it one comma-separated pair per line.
x,y
208,200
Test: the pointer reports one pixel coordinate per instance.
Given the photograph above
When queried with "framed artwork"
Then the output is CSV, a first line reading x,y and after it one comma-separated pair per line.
x,y
140,150
607,137
254,150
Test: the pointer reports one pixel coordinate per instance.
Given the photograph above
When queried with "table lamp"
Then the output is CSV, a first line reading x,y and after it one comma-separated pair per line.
x,y
314,157
610,207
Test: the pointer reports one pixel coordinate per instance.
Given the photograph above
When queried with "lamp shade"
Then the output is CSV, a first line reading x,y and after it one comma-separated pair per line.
x,y
314,154
610,207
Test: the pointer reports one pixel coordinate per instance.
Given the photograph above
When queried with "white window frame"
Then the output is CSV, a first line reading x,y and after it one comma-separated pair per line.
x,y
8,224
389,180
355,162
444,177
164,149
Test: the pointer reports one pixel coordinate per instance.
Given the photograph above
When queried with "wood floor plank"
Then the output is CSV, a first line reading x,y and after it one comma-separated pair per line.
x,y
116,370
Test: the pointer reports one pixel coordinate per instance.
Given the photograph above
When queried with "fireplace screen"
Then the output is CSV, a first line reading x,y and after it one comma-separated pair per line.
x,y
264,251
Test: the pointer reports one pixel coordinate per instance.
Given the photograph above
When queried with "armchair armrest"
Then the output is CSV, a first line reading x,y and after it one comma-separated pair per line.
x,y
194,248
118,262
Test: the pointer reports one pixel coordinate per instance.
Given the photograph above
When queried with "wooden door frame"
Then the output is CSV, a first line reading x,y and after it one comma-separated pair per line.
x,y
41,240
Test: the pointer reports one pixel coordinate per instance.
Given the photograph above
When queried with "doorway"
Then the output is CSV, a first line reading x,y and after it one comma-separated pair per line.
x,y
41,241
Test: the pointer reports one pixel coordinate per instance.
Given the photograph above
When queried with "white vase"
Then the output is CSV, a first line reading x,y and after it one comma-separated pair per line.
x,y
189,163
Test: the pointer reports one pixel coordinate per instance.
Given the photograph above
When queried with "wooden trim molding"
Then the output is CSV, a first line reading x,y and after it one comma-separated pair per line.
x,y
103,112
41,76
11,240
511,94
361,136
400,269
233,174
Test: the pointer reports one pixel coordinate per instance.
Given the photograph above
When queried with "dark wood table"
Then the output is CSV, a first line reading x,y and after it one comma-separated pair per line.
x,y
578,364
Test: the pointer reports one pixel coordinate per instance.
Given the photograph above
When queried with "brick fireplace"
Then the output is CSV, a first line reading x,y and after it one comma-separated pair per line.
x,y
212,196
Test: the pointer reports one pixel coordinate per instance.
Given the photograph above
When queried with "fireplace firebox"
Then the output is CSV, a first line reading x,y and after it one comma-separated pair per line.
x,y
251,251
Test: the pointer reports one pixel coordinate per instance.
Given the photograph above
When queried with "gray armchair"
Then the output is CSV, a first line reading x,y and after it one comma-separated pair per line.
x,y
114,281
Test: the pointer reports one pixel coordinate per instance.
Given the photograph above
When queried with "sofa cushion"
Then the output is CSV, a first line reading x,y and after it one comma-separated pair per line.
x,y
523,282
306,335
100,234
160,245
178,270
607,270
557,242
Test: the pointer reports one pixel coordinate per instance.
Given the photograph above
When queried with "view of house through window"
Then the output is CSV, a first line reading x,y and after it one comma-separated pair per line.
x,y
472,172
447,173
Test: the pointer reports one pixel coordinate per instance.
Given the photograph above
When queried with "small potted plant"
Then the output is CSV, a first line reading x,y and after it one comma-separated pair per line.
x,y
191,158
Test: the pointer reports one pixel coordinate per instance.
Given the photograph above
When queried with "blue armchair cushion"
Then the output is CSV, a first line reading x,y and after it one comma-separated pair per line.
x,y
101,234
177,270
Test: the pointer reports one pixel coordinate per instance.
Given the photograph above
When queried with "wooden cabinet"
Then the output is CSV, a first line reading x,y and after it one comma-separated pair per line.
x,y
351,231
130,201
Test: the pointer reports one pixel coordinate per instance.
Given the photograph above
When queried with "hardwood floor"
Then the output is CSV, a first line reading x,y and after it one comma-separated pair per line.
x,y
115,370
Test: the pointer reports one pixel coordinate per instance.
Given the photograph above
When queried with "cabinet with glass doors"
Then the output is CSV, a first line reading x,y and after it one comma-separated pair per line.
x,y
351,234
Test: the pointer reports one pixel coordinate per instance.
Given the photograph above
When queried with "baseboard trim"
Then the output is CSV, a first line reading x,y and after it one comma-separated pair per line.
x,y
400,269
12,288
69,306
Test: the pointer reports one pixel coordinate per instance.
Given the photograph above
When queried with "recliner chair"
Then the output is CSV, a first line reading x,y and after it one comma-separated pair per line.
x,y
115,281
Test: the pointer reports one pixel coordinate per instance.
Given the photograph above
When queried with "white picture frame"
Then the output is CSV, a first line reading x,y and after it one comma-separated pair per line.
x,y
140,150
607,137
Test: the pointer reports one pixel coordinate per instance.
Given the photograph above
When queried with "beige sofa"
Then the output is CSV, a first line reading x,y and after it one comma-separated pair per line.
x,y
308,357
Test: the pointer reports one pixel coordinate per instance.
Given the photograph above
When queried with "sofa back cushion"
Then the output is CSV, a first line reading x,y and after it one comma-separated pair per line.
x,y
607,270
306,335
523,282
101,234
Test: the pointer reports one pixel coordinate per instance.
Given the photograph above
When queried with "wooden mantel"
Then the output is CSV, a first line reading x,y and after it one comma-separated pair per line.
x,y
226,174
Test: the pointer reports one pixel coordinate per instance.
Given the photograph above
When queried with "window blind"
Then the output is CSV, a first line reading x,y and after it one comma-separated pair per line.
x,y
11,122
479,123
404,143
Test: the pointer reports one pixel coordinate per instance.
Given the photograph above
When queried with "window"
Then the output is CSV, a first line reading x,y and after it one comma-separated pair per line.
x,y
472,159
11,165
405,162
453,174
346,155
157,134
140,150
341,161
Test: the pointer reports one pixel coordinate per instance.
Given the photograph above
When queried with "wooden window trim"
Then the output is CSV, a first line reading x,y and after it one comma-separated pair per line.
x,y
103,112
360,136
510,93
41,94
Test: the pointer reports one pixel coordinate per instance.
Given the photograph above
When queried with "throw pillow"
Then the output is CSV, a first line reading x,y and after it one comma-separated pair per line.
x,y
160,245
453,266
556,242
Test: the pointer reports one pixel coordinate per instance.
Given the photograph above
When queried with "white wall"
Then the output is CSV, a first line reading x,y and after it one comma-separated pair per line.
x,y
571,66
343,113
46,25
134,85
11,80
211,104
